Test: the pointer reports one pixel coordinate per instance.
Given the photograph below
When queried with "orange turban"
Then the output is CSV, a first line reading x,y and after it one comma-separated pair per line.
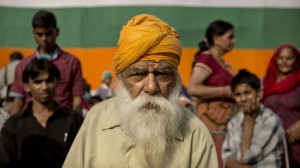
x,y
146,37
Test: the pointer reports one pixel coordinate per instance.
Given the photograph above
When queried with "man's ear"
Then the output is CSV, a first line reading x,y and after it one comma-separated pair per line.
x,y
57,31
26,87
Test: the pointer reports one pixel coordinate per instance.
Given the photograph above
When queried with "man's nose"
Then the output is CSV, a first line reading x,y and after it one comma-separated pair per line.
x,y
44,37
243,97
151,86
44,85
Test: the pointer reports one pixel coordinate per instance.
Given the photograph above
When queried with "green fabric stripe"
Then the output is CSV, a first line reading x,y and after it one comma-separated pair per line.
x,y
256,28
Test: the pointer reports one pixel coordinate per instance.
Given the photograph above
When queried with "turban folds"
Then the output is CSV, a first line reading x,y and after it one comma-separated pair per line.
x,y
144,38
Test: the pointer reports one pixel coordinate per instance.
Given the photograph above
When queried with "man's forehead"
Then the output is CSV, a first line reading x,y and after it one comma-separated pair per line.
x,y
44,29
151,64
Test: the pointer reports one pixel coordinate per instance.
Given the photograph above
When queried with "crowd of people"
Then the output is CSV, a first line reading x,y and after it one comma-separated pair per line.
x,y
49,117
252,126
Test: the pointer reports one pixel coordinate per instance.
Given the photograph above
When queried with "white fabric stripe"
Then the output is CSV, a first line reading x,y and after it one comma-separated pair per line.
x,y
185,3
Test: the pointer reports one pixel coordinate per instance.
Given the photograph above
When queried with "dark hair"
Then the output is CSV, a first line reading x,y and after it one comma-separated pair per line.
x,y
36,66
16,56
87,87
216,28
43,19
245,77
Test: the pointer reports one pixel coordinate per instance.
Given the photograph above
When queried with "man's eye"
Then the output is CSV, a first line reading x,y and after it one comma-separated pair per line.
x,y
49,33
136,74
50,80
137,77
165,77
165,74
37,82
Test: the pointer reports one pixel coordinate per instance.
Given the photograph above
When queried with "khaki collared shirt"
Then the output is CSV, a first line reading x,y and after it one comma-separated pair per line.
x,y
101,143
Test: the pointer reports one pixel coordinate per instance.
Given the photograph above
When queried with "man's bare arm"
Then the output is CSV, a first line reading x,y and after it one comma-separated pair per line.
x,y
77,104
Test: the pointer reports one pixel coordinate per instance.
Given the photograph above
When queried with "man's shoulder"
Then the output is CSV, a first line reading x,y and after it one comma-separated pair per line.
x,y
26,60
270,116
70,112
14,119
103,109
22,64
67,56
267,111
100,116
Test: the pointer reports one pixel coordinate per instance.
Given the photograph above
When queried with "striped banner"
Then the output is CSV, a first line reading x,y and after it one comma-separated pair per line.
x,y
189,3
90,28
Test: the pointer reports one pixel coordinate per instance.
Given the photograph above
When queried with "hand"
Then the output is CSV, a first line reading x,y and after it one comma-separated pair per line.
x,y
293,133
253,108
228,92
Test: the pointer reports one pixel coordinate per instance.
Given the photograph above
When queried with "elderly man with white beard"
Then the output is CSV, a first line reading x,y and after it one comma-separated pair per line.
x,y
144,126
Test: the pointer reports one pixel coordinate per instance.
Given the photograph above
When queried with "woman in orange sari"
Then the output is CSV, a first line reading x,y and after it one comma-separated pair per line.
x,y
282,95
210,80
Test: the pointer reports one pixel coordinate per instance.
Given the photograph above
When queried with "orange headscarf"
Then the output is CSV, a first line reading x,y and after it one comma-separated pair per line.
x,y
146,37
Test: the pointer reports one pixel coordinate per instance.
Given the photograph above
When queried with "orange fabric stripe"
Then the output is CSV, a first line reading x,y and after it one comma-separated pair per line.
x,y
95,60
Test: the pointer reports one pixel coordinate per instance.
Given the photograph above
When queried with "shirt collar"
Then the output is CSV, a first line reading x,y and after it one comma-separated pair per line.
x,y
114,121
28,110
54,55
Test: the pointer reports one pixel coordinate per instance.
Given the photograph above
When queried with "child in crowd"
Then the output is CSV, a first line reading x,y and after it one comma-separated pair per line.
x,y
255,134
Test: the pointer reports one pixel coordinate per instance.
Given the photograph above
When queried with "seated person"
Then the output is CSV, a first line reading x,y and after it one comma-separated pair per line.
x,y
255,134
40,135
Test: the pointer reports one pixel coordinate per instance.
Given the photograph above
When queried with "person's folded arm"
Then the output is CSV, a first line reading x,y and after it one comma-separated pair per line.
x,y
264,141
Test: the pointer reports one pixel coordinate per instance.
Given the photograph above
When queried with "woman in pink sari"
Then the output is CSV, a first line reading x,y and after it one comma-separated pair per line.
x,y
282,95
210,80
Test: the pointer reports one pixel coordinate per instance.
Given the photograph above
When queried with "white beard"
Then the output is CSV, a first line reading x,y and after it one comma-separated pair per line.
x,y
151,121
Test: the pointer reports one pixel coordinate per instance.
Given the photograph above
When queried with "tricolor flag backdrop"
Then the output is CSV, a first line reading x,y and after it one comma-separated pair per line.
x,y
90,29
